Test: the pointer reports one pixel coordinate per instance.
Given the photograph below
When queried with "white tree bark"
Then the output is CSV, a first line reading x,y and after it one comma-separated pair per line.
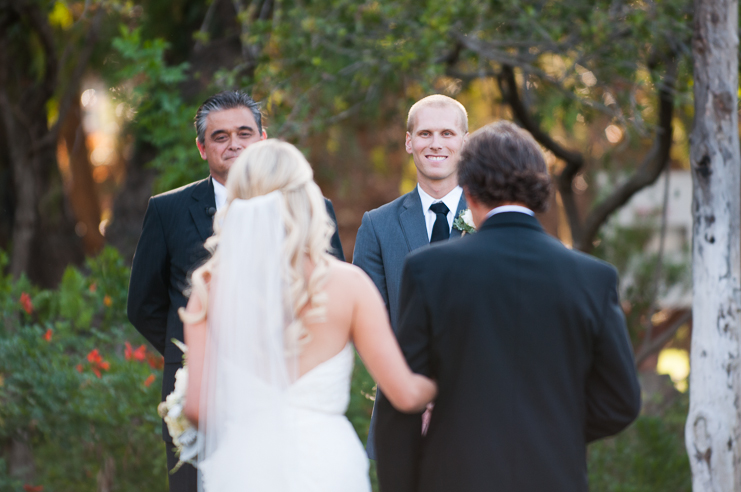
x,y
713,425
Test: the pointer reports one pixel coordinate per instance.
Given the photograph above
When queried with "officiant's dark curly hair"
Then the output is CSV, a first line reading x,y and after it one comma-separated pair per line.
x,y
503,163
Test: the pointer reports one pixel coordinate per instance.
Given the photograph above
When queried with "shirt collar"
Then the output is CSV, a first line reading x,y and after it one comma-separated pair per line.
x,y
451,200
510,208
219,194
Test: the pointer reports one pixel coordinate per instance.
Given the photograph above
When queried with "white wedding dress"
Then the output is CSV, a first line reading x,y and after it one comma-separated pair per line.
x,y
262,427
326,454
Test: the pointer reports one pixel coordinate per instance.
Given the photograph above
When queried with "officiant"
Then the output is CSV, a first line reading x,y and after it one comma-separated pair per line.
x,y
170,247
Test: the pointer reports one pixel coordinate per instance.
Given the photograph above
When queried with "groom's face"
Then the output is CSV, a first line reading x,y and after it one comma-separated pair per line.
x,y
228,133
435,141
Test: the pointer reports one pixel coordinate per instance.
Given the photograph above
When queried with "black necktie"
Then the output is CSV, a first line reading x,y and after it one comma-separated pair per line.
x,y
441,229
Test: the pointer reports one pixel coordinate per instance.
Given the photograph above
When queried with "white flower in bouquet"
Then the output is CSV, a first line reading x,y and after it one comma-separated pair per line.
x,y
184,435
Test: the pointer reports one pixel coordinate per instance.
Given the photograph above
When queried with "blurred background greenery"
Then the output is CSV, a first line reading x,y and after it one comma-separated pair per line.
x,y
97,99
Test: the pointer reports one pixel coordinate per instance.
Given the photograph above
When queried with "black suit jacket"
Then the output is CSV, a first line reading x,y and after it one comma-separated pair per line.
x,y
170,247
528,344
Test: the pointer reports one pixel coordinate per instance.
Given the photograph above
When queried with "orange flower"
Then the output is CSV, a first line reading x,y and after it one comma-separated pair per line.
x,y
148,382
33,488
93,287
96,372
107,300
141,353
26,303
128,351
78,367
47,335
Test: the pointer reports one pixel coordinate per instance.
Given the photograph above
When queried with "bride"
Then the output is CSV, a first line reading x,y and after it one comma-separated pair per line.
x,y
270,328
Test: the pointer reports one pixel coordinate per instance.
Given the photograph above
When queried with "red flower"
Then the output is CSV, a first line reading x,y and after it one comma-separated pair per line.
x,y
128,351
47,335
33,488
94,356
148,382
97,362
78,367
93,287
141,353
156,362
26,303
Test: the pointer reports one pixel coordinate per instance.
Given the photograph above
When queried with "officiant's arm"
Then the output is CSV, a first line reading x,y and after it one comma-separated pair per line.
x,y
367,255
148,300
398,436
334,242
613,392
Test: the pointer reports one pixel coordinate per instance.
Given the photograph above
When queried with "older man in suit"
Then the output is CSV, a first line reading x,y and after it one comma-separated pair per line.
x,y
437,128
170,247
525,338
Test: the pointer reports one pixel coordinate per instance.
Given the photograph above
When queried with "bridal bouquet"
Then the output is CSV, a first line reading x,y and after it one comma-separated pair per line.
x,y
184,435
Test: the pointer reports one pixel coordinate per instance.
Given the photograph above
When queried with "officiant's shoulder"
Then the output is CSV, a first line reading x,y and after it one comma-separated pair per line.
x,y
175,197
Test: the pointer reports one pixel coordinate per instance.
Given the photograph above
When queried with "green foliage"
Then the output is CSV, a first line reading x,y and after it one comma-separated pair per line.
x,y
70,386
649,457
162,118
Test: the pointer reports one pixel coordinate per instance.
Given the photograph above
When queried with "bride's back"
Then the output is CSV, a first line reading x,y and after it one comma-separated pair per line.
x,y
328,336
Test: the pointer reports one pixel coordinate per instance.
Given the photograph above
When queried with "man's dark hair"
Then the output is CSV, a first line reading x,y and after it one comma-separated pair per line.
x,y
503,163
222,101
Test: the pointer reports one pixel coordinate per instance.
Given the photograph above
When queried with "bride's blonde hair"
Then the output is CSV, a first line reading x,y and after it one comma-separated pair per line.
x,y
262,168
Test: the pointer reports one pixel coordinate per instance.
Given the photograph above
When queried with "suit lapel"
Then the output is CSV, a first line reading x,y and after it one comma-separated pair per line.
x,y
203,200
412,221
462,205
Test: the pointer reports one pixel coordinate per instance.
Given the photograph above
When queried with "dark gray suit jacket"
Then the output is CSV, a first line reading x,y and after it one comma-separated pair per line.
x,y
385,238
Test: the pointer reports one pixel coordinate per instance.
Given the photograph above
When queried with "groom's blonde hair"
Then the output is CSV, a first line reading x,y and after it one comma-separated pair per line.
x,y
437,101
264,167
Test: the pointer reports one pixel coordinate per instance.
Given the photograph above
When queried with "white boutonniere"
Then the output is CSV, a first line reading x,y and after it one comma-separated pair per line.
x,y
464,222
184,435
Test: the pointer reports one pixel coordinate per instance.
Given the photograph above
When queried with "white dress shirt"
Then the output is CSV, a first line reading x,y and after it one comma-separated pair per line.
x,y
219,194
450,200
509,208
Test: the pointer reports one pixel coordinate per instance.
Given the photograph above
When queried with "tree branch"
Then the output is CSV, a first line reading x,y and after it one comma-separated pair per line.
x,y
40,25
648,171
658,343
574,160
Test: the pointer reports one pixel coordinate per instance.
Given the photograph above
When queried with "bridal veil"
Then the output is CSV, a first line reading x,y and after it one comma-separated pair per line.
x,y
245,435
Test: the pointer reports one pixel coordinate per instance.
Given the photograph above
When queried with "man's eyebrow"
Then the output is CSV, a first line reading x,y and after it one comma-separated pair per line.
x,y
241,128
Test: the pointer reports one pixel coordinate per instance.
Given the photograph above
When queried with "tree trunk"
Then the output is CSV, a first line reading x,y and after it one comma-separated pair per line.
x,y
82,190
713,425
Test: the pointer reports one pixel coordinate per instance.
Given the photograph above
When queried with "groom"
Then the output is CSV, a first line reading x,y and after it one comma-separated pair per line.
x,y
171,244
437,127
525,338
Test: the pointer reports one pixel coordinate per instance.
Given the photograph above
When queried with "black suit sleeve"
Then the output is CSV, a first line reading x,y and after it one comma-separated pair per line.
x,y
398,435
613,394
149,300
335,241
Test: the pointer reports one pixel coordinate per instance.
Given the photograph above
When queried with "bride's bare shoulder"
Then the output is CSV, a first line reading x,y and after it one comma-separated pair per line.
x,y
348,275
